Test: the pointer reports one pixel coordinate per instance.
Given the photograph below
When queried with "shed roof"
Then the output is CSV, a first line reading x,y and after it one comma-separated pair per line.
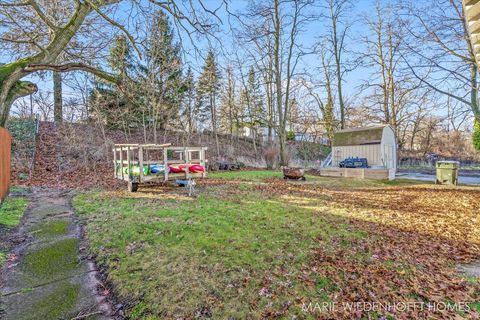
x,y
358,136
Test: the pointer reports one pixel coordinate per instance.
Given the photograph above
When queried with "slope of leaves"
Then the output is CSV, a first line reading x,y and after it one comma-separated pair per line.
x,y
80,156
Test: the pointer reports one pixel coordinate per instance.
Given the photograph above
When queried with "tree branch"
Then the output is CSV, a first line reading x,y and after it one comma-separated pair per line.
x,y
74,67
434,87
42,16
15,4
441,43
117,25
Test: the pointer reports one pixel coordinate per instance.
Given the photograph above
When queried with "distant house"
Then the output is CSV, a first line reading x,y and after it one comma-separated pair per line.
x,y
304,136
246,132
377,144
262,134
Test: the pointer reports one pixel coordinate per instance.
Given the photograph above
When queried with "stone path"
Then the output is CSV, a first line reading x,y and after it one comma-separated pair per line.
x,y
50,278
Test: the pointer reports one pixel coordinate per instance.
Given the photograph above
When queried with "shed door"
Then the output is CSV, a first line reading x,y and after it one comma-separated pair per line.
x,y
389,156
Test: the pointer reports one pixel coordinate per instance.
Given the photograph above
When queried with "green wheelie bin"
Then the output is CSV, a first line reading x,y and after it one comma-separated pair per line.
x,y
447,172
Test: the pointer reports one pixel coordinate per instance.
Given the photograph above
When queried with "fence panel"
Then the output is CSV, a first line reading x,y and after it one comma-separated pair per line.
x,y
5,160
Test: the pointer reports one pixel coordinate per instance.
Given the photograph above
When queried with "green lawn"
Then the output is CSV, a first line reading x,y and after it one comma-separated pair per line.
x,y
170,252
11,212
244,175
259,175
254,246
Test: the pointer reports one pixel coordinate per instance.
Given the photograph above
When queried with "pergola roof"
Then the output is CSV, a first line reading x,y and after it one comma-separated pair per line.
x,y
472,15
358,136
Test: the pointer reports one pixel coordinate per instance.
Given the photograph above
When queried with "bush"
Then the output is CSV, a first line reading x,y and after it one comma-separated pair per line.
x,y
23,134
311,151
23,142
476,136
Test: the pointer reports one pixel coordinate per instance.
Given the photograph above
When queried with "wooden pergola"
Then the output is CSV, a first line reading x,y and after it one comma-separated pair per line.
x,y
472,15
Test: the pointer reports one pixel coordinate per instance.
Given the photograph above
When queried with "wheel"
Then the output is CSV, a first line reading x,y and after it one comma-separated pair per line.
x,y
132,186
284,177
303,178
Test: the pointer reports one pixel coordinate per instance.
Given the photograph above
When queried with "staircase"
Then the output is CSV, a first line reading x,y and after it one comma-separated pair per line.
x,y
46,158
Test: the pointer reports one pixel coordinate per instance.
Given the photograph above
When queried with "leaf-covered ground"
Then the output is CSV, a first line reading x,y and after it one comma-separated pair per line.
x,y
252,245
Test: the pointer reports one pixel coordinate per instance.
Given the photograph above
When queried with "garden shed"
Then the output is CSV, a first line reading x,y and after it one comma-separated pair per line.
x,y
377,144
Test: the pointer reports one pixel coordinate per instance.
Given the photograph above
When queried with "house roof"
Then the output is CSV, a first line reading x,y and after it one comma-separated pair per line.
x,y
358,136
472,15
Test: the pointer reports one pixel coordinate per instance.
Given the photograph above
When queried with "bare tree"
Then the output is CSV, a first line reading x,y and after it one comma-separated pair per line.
x,y
208,89
230,112
323,94
256,37
189,107
29,24
440,52
44,104
391,93
286,58
338,12
271,33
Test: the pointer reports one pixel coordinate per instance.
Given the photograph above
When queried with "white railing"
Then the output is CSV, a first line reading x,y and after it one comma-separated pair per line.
x,y
328,161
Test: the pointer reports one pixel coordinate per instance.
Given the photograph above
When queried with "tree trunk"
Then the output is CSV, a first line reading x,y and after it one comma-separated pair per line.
x,y
340,98
11,88
57,98
339,71
278,83
474,92
214,121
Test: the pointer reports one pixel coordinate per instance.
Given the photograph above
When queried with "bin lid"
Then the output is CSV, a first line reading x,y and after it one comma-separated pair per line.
x,y
448,164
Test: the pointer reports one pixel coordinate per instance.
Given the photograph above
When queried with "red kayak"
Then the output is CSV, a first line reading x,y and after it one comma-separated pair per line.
x,y
196,168
177,169
193,168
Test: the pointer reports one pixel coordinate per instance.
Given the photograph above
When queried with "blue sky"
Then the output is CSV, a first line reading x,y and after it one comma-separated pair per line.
x,y
315,29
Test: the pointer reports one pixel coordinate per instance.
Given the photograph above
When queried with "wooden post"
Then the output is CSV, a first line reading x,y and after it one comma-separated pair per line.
x,y
121,162
5,160
165,163
187,160
114,162
129,164
140,163
203,163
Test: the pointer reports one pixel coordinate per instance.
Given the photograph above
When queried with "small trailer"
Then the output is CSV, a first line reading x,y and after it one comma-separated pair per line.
x,y
157,163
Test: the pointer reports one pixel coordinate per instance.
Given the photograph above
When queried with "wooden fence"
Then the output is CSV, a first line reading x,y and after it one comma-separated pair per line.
x,y
5,157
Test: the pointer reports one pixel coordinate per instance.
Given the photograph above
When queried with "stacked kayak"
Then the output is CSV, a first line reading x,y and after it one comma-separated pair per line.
x,y
181,168
135,170
196,168
157,168
176,168
160,168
